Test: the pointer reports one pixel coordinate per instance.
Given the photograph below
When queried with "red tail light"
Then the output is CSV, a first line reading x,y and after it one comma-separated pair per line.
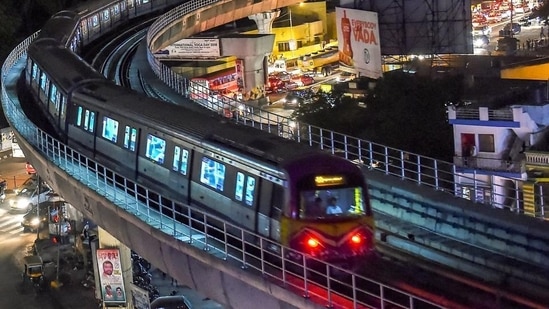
x,y
357,239
313,242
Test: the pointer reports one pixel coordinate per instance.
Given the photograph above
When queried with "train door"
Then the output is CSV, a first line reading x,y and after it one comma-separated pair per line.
x,y
270,209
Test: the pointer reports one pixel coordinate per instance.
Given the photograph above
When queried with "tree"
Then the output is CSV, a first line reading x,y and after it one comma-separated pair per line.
x,y
402,111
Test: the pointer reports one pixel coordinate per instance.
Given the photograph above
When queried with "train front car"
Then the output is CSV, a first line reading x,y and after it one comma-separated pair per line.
x,y
328,214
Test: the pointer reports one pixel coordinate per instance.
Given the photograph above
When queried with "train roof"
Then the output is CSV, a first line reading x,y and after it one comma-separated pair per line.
x,y
60,26
206,128
65,68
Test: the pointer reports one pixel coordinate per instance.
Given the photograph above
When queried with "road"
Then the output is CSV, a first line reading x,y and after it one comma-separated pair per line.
x,y
531,32
15,244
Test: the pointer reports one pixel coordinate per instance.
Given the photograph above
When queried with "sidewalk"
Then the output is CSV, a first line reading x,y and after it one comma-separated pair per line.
x,y
71,293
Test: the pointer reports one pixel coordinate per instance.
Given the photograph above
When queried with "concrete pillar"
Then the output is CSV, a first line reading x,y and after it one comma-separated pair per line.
x,y
264,21
251,49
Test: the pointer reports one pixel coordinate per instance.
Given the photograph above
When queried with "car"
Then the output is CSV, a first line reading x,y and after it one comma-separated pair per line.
x,y
345,77
26,198
274,84
525,21
291,100
282,75
29,169
171,302
482,30
37,216
494,17
303,80
28,184
515,28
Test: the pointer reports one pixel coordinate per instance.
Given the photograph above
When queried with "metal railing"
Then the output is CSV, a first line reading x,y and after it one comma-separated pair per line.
x,y
426,171
296,276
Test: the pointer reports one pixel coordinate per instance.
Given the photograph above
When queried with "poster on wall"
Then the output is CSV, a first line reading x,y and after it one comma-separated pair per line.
x,y
110,275
239,66
358,41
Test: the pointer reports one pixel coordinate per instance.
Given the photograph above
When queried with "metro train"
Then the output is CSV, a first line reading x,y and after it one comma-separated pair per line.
x,y
264,183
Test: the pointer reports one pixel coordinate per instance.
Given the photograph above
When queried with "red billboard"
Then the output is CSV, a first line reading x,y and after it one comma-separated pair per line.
x,y
358,41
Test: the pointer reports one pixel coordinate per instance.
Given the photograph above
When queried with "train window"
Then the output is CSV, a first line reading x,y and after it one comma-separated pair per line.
x,y
95,21
63,109
341,202
116,10
212,173
180,160
86,119
105,15
53,96
34,71
92,122
250,190
79,116
130,136
110,129
156,149
43,81
239,189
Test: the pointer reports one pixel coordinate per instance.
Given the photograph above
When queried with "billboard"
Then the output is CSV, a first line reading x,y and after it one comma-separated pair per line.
x,y
358,41
191,48
110,276
419,27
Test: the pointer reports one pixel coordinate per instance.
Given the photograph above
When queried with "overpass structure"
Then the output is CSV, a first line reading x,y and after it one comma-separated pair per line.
x,y
226,273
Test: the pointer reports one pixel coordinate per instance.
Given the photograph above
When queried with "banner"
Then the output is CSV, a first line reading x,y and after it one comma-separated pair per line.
x,y
110,275
358,41
191,48
239,67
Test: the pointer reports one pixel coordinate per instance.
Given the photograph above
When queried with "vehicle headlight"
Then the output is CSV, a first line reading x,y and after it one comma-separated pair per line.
x,y
294,101
20,203
35,221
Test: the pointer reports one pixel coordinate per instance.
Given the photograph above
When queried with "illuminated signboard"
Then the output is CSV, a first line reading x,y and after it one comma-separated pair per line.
x,y
325,180
358,41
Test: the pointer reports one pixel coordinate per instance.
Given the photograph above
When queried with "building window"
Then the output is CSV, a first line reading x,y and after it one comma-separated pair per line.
x,y
486,143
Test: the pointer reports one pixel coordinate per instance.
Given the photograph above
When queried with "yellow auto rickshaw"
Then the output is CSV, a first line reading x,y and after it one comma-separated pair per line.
x,y
34,270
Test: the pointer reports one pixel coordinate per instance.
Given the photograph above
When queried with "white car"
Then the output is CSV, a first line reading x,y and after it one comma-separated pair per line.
x,y
28,197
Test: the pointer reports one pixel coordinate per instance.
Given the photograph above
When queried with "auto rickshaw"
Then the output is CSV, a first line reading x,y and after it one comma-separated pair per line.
x,y
34,270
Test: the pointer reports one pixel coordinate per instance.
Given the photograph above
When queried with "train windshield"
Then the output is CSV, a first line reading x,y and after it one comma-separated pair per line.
x,y
326,203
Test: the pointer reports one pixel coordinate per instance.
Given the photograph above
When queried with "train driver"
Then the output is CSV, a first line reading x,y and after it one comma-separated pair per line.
x,y
333,208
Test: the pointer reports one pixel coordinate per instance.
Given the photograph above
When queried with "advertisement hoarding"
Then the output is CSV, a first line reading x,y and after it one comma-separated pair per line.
x,y
191,48
358,41
110,275
239,67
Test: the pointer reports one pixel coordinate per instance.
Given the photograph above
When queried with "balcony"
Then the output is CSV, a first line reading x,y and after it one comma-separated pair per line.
x,y
490,164
480,113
